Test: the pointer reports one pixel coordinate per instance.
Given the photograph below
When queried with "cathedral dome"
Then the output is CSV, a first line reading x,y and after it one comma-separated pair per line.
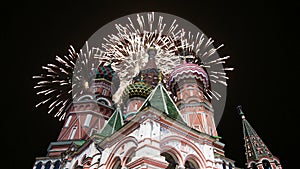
x,y
105,72
188,71
138,89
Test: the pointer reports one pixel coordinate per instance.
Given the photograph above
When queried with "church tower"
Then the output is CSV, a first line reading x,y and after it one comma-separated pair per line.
x,y
189,84
257,153
86,116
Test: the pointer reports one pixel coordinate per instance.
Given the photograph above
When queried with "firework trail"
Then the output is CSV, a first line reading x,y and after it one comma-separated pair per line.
x,y
66,78
126,52
127,49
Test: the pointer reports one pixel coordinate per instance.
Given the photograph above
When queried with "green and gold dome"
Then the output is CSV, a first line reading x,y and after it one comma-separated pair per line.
x,y
137,89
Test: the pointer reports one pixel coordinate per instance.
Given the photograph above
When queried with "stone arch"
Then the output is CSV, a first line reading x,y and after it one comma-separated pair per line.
x,y
266,164
201,157
85,97
104,100
116,163
128,156
172,152
194,160
113,154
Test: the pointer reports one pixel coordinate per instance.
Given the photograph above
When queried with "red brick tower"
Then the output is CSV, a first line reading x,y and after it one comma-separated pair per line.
x,y
189,84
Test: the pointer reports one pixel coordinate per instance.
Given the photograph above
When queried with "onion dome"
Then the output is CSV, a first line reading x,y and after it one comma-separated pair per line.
x,y
105,72
138,89
188,71
108,74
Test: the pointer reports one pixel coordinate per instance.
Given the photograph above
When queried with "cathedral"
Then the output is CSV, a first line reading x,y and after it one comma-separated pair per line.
x,y
162,122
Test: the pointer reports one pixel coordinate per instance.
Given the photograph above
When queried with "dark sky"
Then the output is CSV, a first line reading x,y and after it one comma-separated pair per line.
x,y
256,36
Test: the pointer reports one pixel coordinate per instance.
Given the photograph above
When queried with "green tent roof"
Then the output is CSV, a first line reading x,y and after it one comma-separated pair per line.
x,y
160,100
114,123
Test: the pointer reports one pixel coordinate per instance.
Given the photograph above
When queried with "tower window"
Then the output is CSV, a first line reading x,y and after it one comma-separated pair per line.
x,y
135,106
73,132
266,164
191,92
68,121
87,120
104,91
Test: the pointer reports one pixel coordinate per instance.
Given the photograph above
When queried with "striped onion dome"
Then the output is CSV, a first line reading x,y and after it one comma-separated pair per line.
x,y
188,71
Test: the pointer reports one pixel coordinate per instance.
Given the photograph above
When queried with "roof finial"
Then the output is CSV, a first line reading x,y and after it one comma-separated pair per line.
x,y
160,76
142,78
239,108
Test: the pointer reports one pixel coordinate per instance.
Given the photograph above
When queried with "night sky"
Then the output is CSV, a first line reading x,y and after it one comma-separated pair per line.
x,y
256,36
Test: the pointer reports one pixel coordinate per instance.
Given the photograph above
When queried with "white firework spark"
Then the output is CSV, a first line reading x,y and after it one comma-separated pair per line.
x,y
65,79
201,51
128,50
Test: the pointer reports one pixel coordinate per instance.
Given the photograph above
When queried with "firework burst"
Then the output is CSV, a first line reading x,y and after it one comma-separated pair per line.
x,y
66,78
127,50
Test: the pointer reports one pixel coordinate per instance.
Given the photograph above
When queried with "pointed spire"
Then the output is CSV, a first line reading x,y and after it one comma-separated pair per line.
x,y
114,123
160,100
255,147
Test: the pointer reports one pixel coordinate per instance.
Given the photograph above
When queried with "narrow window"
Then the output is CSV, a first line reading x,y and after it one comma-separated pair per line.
x,y
135,106
104,91
68,121
191,92
73,132
87,120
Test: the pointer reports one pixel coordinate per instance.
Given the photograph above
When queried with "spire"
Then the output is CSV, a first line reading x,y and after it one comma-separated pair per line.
x,y
114,123
255,147
160,100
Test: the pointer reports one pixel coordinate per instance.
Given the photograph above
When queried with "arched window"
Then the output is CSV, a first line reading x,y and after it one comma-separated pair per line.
x,y
253,166
56,164
103,101
73,132
191,164
39,165
68,121
117,164
266,164
48,165
173,162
